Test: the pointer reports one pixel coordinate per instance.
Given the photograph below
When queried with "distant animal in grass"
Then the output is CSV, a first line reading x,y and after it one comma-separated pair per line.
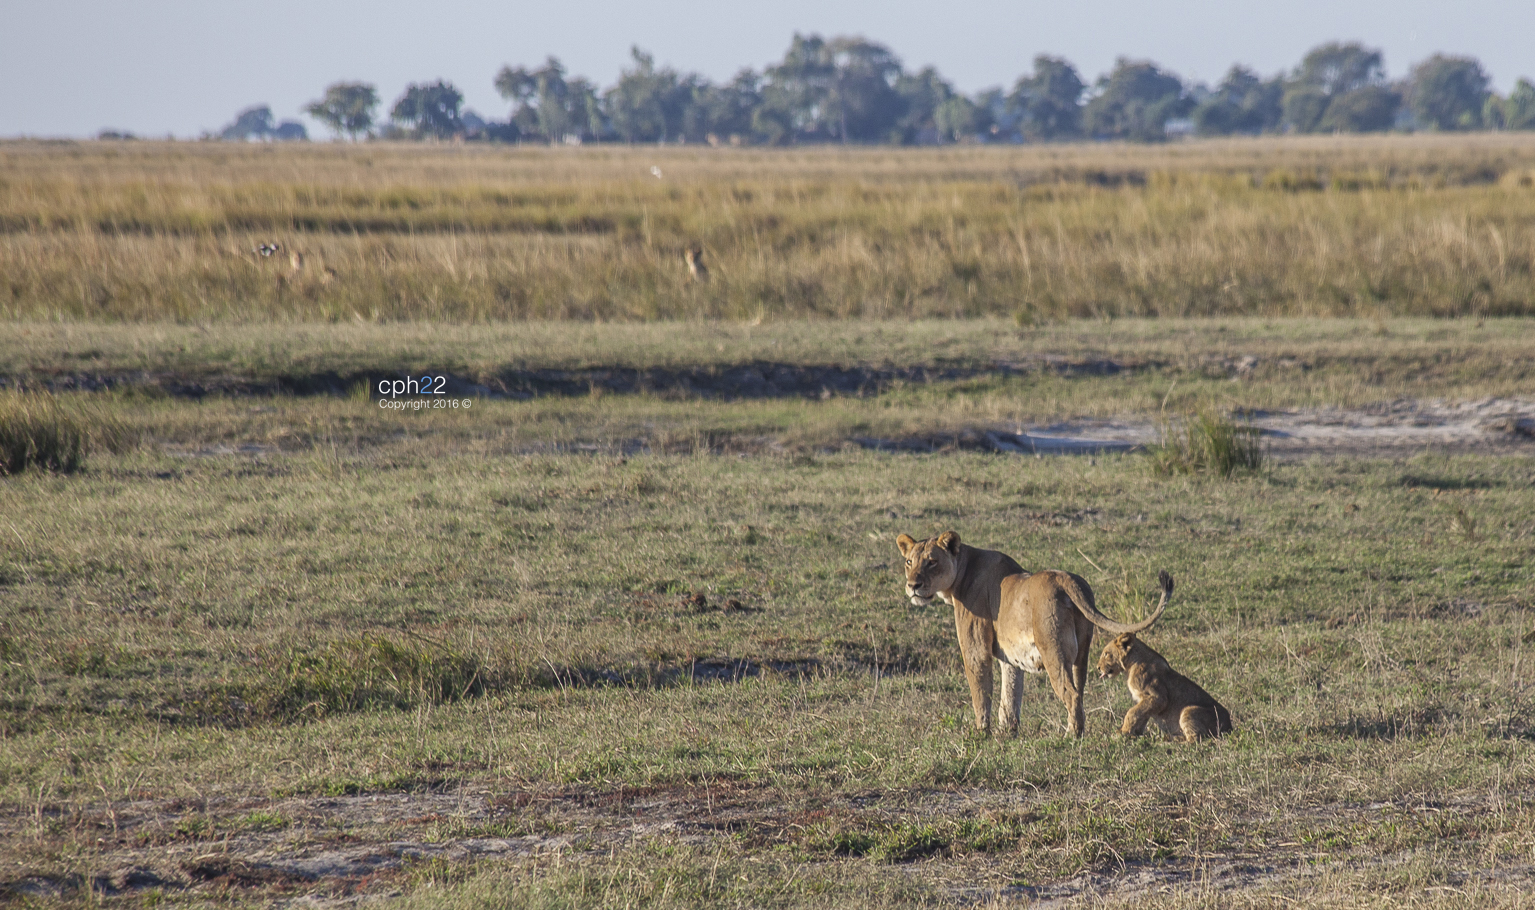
x,y
1163,696
266,249
297,263
694,257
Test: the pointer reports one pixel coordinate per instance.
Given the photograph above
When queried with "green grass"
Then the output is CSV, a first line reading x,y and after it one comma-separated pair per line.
x,y
458,619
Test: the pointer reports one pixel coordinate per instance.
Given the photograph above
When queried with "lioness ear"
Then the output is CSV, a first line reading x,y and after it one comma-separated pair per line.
x,y
905,542
949,540
1126,640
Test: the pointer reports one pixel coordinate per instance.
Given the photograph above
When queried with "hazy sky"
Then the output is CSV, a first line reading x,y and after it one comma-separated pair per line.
x,y
73,67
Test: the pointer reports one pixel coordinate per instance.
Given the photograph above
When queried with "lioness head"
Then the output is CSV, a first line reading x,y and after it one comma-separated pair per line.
x,y
929,565
1114,653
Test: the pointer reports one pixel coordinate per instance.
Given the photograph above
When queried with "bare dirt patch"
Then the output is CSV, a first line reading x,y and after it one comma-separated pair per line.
x,y
1397,428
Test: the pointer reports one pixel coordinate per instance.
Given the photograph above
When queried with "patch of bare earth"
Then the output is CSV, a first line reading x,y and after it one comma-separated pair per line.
x,y
341,849
1490,426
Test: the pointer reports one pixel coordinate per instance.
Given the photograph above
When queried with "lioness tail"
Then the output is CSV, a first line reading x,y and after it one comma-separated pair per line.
x,y
1120,628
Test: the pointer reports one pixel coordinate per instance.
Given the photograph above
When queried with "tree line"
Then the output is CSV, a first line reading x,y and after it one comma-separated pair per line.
x,y
852,90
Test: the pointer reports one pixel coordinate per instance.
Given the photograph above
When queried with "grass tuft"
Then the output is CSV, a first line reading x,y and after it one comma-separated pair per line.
x,y
35,431
356,674
1207,443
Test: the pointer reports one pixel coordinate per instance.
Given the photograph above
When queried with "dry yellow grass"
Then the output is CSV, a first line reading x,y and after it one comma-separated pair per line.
x,y
1308,226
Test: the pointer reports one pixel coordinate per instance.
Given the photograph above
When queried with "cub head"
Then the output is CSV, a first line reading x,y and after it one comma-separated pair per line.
x,y
1112,660
930,565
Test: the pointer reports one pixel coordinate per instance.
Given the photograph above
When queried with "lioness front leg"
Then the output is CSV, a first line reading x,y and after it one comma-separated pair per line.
x,y
978,674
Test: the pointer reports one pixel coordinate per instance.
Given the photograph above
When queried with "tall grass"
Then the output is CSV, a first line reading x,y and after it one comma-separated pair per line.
x,y
1407,226
38,431
1207,443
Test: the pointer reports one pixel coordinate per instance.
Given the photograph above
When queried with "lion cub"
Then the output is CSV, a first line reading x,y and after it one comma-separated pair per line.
x,y
1183,710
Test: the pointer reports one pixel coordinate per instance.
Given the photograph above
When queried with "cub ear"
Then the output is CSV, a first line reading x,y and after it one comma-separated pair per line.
x,y
905,542
949,540
1125,640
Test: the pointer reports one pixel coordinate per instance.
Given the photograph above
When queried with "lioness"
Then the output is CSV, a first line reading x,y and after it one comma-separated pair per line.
x,y
1183,710
1031,622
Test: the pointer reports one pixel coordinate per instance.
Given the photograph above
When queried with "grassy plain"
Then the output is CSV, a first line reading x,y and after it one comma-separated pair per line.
x,y
202,651
1357,226
690,679
651,650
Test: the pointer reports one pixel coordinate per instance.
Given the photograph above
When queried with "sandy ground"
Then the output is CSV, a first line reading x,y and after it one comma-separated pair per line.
x,y
1400,428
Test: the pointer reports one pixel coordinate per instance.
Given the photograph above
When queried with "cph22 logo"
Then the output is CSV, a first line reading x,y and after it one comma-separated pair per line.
x,y
420,385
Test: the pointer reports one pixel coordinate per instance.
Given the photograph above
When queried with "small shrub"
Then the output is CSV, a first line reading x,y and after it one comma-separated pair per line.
x,y
1207,443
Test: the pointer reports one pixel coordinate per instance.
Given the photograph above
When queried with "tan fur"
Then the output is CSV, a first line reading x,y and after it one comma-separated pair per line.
x,y
1163,696
1034,622
694,257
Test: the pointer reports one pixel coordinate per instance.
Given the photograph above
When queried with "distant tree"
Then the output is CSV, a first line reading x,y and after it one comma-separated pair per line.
x,y
1242,103
843,89
864,105
726,110
1330,71
773,123
290,131
1519,107
647,104
1304,106
430,109
1335,68
1448,93
346,108
1048,103
252,123
1134,101
923,94
1492,111
545,104
959,119
997,120
1370,109
795,93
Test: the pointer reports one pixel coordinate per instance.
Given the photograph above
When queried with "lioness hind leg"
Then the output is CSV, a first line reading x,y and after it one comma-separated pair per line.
x,y
1198,723
1070,696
